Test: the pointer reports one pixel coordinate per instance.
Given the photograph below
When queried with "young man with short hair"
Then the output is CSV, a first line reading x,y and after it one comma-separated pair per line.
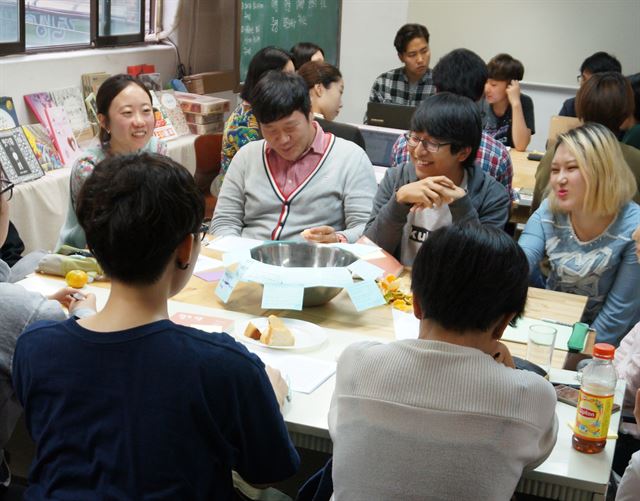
x,y
599,62
297,182
507,115
464,73
445,416
441,185
126,404
412,82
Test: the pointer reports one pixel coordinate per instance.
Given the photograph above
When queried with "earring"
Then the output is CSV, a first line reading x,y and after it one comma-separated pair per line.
x,y
182,266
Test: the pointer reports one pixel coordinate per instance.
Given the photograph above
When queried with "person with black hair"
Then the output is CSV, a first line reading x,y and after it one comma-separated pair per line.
x,y
598,62
126,121
412,82
631,126
441,185
242,127
126,404
463,72
303,52
507,114
451,416
325,90
298,182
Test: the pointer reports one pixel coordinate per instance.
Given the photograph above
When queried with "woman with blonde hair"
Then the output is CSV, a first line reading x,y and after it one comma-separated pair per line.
x,y
585,228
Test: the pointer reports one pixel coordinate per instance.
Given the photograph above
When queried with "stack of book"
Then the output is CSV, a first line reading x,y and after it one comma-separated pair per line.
x,y
204,114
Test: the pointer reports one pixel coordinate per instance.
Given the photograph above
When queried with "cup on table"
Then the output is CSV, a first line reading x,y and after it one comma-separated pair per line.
x,y
540,344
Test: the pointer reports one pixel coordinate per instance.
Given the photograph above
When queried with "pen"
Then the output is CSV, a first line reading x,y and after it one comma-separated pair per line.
x,y
551,321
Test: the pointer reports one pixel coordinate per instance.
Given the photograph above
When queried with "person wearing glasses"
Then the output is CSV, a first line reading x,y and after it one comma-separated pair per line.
x,y
412,82
126,404
441,185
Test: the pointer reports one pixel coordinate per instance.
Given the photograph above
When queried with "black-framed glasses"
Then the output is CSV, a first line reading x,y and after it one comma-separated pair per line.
x,y
204,229
6,186
427,144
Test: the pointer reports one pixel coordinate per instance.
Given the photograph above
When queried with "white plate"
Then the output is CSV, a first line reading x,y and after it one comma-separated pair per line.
x,y
307,335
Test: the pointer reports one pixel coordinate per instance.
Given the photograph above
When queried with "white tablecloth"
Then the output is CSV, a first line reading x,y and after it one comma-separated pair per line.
x,y
38,208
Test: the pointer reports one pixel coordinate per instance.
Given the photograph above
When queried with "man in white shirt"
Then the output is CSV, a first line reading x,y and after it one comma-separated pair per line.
x,y
438,418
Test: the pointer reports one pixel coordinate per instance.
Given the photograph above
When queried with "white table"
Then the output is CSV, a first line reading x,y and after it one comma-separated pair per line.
x,y
566,474
39,208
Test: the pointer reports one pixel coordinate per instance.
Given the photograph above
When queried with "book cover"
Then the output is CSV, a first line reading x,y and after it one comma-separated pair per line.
x,y
17,159
91,82
163,129
62,134
151,81
8,117
43,147
170,105
37,103
72,101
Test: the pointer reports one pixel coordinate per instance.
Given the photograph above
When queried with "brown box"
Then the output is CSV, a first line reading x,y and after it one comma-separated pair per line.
x,y
211,128
212,81
197,118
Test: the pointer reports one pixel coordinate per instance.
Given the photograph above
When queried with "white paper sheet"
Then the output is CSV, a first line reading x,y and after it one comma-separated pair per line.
x,y
206,263
232,244
306,374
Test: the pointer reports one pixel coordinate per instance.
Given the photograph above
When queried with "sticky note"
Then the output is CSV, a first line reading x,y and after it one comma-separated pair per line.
x,y
282,297
226,285
366,270
365,295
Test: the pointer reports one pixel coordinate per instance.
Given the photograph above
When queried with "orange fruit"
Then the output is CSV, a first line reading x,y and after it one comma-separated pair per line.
x,y
77,279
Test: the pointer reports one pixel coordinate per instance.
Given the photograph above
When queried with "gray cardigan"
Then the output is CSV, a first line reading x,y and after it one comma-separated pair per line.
x,y
338,194
487,201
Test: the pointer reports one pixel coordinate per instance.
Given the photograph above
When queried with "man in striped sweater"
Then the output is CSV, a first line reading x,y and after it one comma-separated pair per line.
x,y
299,181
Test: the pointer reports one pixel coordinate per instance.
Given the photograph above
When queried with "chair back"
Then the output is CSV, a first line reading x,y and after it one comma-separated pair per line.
x,y
208,149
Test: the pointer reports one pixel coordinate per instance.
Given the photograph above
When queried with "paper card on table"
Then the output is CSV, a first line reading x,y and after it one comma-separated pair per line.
x,y
405,325
520,333
282,297
263,273
366,270
365,295
210,275
236,256
227,283
206,263
306,374
203,322
230,243
360,250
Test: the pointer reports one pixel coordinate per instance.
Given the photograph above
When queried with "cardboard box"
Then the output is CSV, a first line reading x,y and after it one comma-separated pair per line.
x,y
213,81
212,128
197,118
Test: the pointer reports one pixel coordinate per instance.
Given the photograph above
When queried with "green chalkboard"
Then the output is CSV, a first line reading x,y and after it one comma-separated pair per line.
x,y
284,23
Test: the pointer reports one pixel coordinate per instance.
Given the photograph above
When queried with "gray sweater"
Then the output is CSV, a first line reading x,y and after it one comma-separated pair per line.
x,y
487,201
18,309
338,194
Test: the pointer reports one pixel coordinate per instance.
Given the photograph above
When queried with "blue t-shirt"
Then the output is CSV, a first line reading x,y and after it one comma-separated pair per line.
x,y
160,411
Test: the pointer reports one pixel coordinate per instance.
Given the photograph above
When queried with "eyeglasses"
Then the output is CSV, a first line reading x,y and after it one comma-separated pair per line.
x,y
414,141
6,186
204,229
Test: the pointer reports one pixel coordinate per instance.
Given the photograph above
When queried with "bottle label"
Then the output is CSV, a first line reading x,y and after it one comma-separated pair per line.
x,y
592,418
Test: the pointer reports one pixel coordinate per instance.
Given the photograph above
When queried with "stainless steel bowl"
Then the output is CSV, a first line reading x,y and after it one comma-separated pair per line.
x,y
297,254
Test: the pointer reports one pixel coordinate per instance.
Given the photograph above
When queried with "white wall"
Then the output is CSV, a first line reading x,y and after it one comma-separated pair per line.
x,y
26,74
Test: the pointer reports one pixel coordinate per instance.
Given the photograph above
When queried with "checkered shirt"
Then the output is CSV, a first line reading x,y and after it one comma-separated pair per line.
x,y
492,157
393,87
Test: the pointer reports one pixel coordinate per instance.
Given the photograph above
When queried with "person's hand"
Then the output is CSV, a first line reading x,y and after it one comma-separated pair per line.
x,y
280,387
87,302
64,296
513,92
321,235
636,237
430,192
502,355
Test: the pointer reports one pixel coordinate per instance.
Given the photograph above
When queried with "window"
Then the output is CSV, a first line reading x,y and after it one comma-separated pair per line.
x,y
34,25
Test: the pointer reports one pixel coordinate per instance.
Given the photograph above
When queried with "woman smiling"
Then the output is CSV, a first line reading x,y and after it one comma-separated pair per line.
x,y
585,227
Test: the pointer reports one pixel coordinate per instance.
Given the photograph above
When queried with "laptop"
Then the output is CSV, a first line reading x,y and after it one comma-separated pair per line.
x,y
396,116
379,143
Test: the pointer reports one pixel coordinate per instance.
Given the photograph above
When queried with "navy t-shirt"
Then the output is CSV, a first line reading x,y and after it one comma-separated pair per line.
x,y
160,411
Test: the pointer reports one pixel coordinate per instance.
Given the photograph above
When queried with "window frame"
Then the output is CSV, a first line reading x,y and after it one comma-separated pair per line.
x,y
7,48
95,41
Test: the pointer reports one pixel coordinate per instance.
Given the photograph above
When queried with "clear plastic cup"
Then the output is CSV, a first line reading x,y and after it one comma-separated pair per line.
x,y
540,344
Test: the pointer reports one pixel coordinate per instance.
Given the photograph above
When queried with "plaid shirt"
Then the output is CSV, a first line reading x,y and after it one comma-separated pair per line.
x,y
492,157
393,87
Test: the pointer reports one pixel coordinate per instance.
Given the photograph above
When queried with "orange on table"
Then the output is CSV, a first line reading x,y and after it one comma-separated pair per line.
x,y
76,279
